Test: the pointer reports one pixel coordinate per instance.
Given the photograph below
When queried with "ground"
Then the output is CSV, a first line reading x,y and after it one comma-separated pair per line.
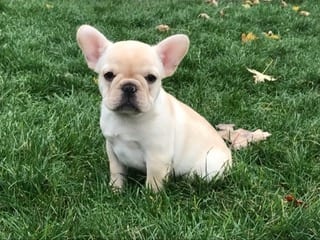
x,y
53,166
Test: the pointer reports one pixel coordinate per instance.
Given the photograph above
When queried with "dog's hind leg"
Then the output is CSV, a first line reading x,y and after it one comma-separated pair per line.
x,y
214,164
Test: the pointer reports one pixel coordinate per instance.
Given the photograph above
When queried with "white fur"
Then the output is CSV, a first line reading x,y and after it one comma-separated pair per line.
x,y
165,135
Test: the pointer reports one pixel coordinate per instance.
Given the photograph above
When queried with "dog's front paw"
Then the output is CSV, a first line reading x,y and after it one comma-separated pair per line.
x,y
157,174
154,185
116,184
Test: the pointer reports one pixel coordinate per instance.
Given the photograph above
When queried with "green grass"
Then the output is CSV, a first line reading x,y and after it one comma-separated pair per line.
x,y
53,166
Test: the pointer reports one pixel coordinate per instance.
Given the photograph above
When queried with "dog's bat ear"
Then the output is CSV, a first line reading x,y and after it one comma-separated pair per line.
x,y
171,51
92,44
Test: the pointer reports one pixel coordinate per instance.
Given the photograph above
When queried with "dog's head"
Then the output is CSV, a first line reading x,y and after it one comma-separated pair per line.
x,y
130,72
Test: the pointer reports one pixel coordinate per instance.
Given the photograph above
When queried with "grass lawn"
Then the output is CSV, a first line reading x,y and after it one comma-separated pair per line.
x,y
53,165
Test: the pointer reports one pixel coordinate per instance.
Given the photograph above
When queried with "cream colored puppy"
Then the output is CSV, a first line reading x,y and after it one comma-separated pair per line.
x,y
145,127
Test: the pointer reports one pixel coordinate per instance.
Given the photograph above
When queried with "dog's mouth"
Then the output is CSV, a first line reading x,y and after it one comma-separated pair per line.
x,y
127,105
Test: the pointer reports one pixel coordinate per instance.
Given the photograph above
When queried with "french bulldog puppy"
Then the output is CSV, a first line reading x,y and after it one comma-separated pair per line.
x,y
145,127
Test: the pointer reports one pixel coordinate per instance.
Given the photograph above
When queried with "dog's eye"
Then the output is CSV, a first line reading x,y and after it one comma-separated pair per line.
x,y
109,76
150,78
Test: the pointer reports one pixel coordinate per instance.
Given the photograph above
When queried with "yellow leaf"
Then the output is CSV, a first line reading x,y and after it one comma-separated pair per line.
x,y
163,28
95,80
295,8
248,37
271,35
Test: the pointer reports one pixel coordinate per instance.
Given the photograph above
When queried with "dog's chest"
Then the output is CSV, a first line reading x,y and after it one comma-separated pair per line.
x,y
129,152
129,138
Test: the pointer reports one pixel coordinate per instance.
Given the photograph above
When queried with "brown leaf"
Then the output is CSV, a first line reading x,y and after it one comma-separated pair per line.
x,y
250,2
289,198
163,28
224,130
304,13
225,126
222,13
246,5
299,202
296,202
240,138
204,16
213,2
284,4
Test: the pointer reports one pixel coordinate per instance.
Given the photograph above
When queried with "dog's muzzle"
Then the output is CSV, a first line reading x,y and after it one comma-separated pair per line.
x,y
128,100
129,89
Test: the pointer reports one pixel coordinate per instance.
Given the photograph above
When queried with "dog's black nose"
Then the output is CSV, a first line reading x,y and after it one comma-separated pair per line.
x,y
129,88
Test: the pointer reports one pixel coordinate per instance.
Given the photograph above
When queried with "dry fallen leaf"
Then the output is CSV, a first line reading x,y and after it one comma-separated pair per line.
x,y
225,126
296,8
95,80
248,37
163,28
304,13
284,4
49,6
260,77
297,202
225,129
246,5
301,12
250,2
289,198
213,2
271,35
240,138
204,16
68,75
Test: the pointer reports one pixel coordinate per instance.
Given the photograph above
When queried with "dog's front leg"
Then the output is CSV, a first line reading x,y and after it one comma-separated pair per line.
x,y
118,171
157,173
